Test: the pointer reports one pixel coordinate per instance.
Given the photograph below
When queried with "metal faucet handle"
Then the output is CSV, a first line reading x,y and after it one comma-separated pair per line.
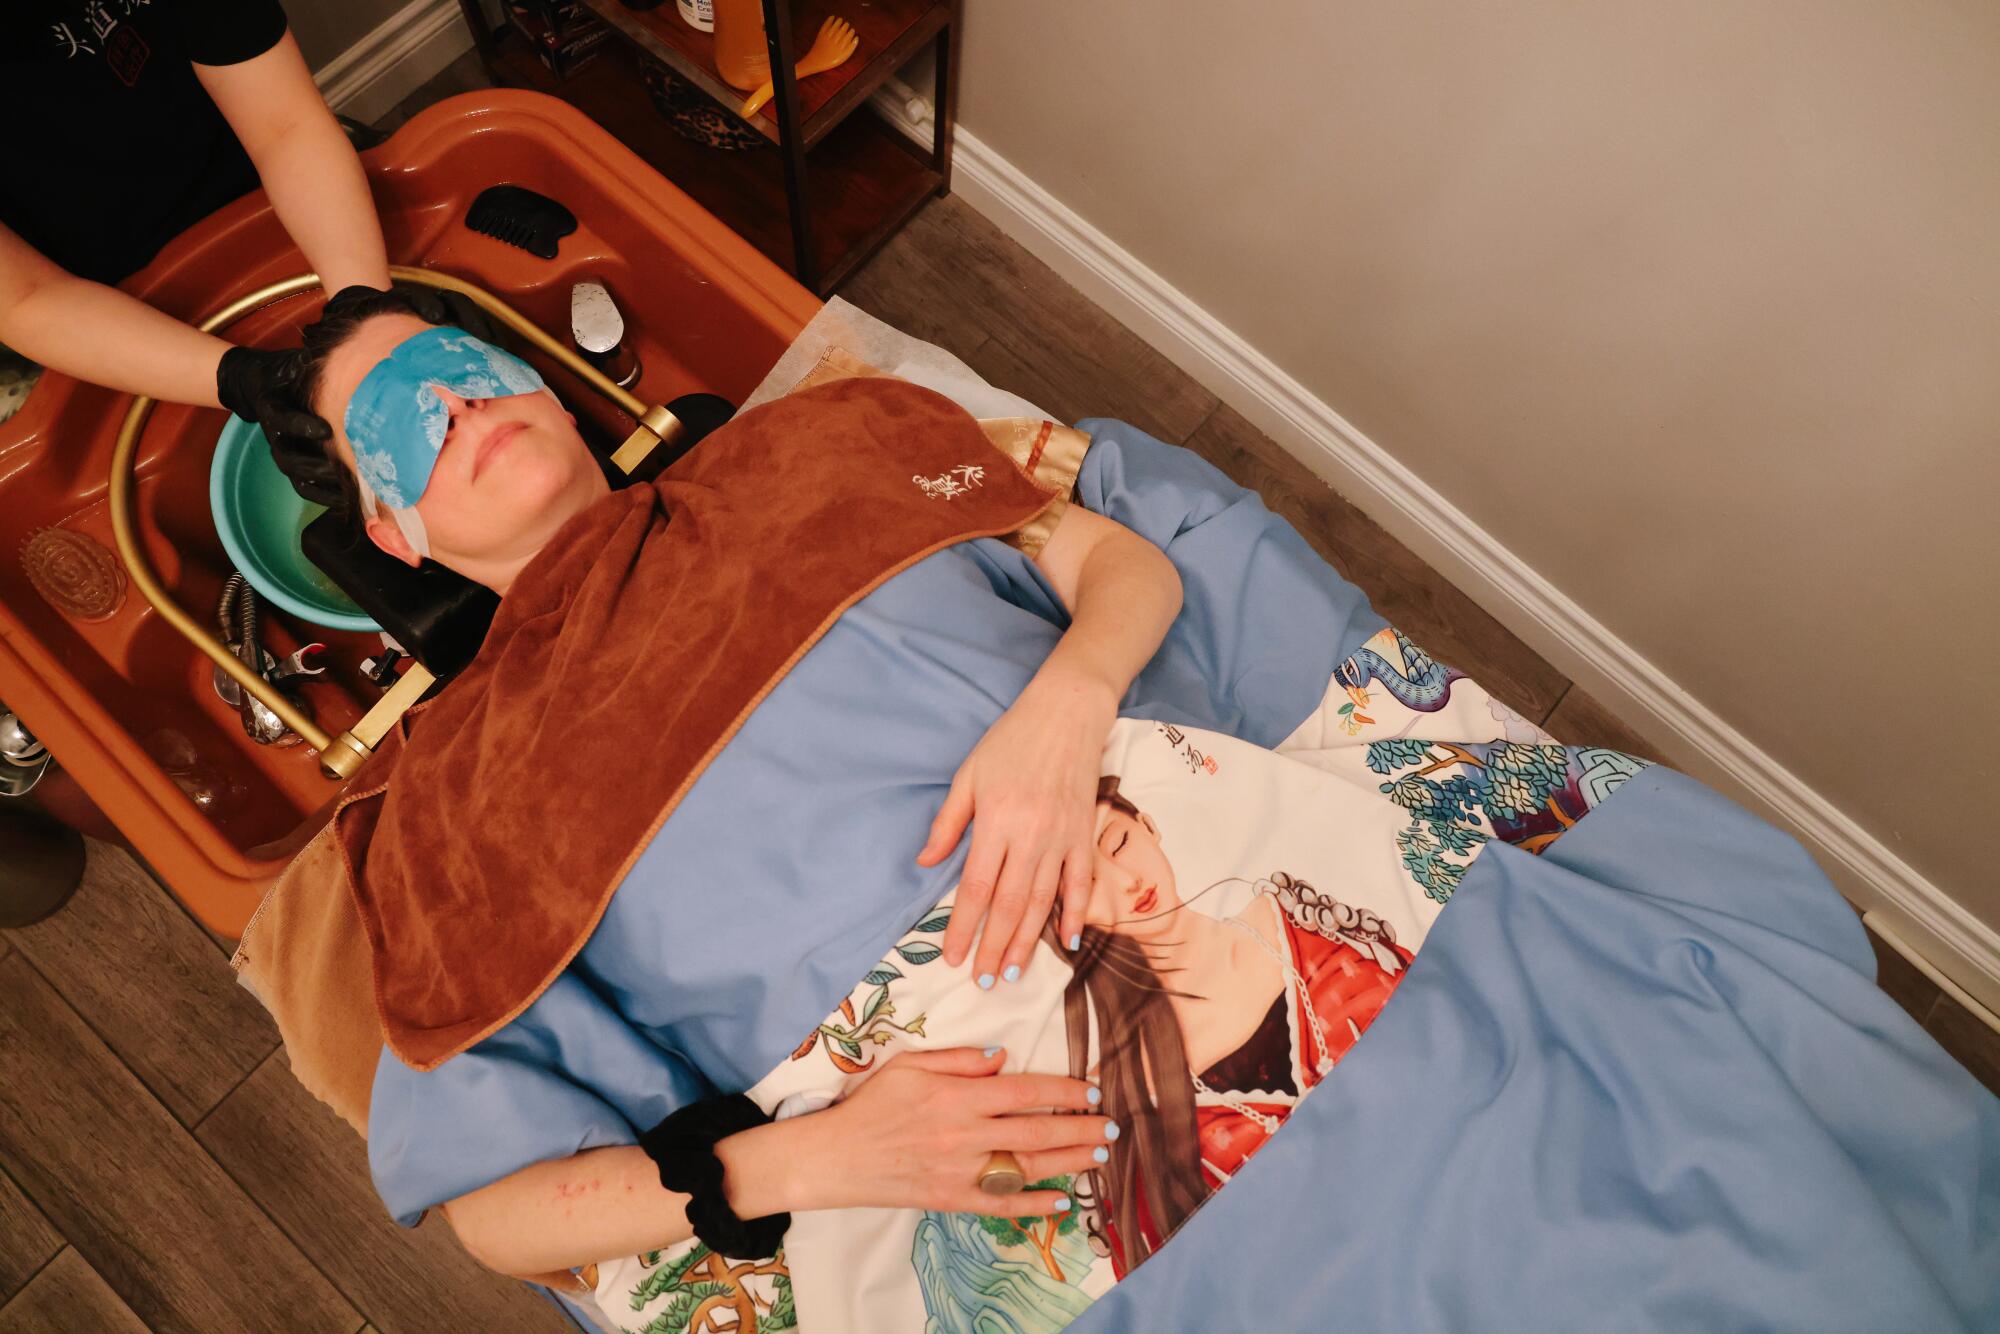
x,y
259,722
17,744
300,664
265,727
239,618
594,319
598,329
23,758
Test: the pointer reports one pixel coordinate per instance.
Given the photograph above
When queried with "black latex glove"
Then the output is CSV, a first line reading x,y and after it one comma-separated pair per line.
x,y
261,385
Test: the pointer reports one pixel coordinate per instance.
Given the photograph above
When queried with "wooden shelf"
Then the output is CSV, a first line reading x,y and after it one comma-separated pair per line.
x,y
890,33
866,177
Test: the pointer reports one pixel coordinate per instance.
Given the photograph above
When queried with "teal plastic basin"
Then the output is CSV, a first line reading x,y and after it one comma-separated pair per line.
x,y
259,518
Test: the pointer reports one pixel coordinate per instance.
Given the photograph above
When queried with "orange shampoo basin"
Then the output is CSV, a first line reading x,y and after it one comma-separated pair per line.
x,y
125,702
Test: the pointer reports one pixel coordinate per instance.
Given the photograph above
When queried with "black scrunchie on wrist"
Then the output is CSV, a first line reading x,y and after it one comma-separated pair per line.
x,y
683,1146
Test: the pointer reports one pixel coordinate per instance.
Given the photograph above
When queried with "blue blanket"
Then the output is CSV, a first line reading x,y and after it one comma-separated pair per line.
x,y
1641,1081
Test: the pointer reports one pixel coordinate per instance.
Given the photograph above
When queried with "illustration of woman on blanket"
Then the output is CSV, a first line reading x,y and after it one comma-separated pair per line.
x,y
1210,1027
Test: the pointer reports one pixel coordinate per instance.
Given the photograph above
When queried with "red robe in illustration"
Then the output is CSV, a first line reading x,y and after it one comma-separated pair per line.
x,y
1242,1099
1348,988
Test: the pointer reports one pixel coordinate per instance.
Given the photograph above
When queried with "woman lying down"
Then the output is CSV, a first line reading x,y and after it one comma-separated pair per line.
x,y
688,981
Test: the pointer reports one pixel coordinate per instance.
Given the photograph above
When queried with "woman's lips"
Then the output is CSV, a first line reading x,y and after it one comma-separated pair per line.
x,y
1146,902
499,436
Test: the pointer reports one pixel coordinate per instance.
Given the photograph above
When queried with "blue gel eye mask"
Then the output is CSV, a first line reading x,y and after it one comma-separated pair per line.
x,y
396,422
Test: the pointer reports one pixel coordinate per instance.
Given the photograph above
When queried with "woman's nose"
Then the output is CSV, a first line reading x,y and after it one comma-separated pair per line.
x,y
455,405
1110,873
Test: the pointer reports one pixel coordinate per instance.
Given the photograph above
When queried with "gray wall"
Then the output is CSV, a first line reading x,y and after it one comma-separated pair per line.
x,y
1694,306
325,28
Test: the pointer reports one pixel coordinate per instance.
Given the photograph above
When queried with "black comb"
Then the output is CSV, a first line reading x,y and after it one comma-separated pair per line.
x,y
522,218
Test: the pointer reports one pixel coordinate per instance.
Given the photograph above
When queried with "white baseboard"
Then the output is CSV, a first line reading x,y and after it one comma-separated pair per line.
x,y
398,56
1958,944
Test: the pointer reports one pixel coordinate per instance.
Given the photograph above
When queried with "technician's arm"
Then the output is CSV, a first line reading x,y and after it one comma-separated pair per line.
x,y
98,333
305,162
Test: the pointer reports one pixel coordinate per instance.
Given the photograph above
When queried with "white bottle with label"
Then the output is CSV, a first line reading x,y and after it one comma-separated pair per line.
x,y
699,13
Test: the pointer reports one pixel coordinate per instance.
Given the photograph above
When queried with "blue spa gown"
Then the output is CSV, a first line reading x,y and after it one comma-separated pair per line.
x,y
1528,1137
790,866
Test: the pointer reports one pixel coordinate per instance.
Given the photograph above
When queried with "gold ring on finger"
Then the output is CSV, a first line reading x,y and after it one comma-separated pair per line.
x,y
1002,1174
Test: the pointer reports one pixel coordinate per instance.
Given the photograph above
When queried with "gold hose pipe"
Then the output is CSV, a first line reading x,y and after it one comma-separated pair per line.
x,y
340,756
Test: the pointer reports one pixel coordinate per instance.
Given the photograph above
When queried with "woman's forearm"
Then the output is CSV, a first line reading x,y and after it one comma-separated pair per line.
x,y
609,1202
1027,789
1126,596
98,333
912,1135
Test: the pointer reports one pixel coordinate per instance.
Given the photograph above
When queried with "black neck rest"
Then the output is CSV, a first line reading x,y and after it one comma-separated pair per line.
x,y
440,617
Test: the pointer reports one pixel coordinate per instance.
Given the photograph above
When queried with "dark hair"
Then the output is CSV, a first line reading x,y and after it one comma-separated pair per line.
x,y
328,332
1142,1067
314,468
1109,795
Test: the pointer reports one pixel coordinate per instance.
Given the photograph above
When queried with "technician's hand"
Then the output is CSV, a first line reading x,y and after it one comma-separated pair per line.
x,y
917,1132
261,385
1029,789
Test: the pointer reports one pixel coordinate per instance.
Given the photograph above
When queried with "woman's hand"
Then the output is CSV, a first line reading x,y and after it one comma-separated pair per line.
x,y
1030,785
916,1133
1030,790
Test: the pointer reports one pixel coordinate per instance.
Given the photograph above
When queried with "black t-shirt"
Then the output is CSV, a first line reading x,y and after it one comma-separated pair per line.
x,y
113,147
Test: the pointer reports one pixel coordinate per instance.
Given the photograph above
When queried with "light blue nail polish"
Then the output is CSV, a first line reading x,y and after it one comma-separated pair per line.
x,y
1062,1205
1111,1130
986,981
1093,1095
1012,972
1076,941
990,1053
1101,1154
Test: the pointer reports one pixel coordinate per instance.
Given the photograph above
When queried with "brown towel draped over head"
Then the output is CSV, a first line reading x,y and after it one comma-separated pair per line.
x,y
621,661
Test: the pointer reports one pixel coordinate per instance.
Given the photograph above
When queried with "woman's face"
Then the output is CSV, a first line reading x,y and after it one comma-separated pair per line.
x,y
512,471
1132,890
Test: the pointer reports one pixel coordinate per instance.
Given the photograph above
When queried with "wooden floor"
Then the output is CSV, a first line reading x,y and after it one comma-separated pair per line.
x,y
160,1169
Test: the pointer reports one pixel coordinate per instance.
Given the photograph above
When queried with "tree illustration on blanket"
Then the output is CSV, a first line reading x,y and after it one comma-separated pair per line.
x,y
1459,794
1040,1233
1002,1276
709,1294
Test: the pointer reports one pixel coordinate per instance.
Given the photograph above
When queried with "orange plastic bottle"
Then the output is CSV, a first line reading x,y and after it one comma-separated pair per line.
x,y
741,57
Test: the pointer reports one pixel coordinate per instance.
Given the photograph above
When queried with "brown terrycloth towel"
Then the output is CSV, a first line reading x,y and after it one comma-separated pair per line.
x,y
621,661
303,955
